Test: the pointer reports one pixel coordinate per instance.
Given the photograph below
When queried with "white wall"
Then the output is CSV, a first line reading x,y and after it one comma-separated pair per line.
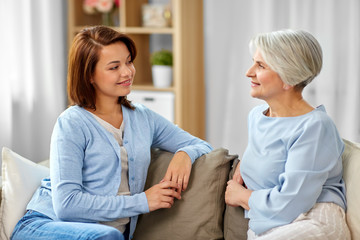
x,y
230,24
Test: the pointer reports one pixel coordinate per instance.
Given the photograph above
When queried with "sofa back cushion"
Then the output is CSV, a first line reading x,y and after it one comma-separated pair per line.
x,y
199,214
235,223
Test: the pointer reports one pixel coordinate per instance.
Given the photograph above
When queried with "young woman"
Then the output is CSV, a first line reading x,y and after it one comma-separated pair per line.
x,y
290,178
100,150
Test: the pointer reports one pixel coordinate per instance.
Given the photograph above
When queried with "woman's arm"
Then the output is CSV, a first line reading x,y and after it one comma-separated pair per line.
x,y
179,170
170,137
237,175
80,188
187,148
237,195
311,159
162,195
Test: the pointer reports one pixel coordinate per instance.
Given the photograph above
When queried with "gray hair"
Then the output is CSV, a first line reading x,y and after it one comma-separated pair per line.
x,y
294,54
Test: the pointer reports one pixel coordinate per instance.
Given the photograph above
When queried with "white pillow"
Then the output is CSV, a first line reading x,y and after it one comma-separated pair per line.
x,y
351,163
20,178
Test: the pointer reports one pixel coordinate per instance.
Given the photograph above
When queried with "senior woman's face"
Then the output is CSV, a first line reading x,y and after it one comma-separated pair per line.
x,y
266,84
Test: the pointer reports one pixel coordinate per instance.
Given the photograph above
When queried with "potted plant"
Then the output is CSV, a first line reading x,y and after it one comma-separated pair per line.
x,y
162,62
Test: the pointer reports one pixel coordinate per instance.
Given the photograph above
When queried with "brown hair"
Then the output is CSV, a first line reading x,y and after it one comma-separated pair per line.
x,y
83,57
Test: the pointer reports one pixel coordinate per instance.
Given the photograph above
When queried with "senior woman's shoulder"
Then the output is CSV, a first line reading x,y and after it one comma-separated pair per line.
x,y
320,119
320,114
259,109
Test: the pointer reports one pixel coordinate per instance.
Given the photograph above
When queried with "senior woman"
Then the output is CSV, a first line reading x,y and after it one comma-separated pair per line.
x,y
290,178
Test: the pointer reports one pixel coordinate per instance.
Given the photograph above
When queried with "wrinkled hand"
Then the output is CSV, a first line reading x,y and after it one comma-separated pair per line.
x,y
162,195
179,170
237,195
237,175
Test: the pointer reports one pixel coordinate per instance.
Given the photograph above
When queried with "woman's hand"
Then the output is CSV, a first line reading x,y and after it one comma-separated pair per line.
x,y
237,195
179,170
162,195
237,175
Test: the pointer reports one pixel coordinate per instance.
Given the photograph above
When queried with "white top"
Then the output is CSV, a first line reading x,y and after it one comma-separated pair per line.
x,y
124,189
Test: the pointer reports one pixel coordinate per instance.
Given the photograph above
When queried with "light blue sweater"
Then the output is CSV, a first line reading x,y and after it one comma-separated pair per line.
x,y
291,163
85,165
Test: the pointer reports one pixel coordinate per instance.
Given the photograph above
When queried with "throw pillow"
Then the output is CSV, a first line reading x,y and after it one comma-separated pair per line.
x,y
351,164
199,214
235,224
20,178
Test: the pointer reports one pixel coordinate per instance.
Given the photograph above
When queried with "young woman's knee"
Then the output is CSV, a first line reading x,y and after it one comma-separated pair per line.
x,y
111,234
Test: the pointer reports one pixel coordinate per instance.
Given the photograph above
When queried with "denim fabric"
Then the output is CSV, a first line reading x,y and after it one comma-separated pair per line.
x,y
37,226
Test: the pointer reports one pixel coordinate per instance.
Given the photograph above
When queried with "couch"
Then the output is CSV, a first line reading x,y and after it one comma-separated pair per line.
x,y
200,214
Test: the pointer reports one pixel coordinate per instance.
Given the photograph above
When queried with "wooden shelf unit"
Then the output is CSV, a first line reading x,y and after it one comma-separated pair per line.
x,y
187,45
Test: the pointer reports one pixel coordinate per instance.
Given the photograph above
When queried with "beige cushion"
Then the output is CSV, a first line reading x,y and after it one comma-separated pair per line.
x,y
20,178
199,214
235,224
351,163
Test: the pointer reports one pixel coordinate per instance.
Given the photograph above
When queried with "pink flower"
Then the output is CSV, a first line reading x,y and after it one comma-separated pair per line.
x,y
104,6
89,6
117,3
90,3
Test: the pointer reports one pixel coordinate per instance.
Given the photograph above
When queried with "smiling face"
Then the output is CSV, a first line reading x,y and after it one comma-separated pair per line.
x,y
266,84
114,72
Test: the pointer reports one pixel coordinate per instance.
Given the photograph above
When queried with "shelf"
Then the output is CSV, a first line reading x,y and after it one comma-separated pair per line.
x,y
186,42
135,30
151,88
142,30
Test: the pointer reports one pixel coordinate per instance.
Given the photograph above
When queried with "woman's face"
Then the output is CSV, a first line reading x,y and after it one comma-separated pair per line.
x,y
266,84
114,72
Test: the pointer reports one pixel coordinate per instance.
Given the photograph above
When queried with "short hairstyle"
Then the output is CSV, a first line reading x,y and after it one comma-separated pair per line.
x,y
83,57
294,54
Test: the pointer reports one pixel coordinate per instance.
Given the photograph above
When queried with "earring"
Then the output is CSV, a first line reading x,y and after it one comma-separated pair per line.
x,y
286,87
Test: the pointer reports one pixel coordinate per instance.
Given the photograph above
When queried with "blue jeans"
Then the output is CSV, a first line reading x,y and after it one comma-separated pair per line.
x,y
37,226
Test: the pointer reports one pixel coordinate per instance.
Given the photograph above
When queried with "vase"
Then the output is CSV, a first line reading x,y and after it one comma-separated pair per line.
x,y
106,19
162,76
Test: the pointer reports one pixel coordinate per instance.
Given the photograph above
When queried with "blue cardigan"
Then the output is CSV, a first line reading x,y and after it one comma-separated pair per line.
x,y
85,165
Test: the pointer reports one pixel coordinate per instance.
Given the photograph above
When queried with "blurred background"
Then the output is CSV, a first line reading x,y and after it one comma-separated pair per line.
x,y
34,44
